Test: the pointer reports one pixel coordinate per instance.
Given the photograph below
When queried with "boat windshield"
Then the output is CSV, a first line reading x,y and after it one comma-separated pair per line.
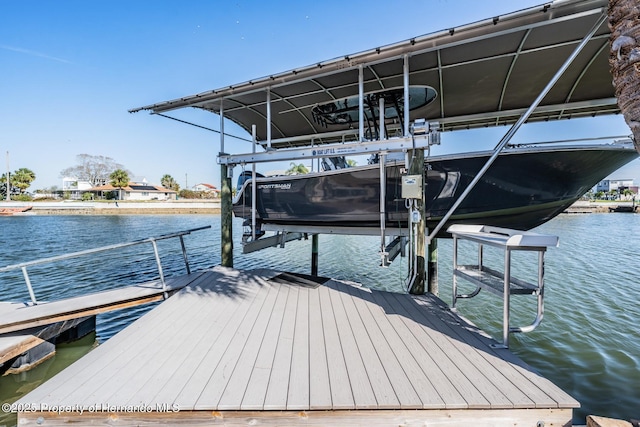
x,y
245,176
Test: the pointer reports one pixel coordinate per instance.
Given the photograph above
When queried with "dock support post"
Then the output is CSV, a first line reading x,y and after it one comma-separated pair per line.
x,y
314,255
432,267
226,218
417,168
226,203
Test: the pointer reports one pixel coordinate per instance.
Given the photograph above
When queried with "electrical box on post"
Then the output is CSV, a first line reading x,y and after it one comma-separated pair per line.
x,y
412,187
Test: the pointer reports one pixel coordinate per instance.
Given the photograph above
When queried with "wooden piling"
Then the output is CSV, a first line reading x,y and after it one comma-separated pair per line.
x,y
432,267
226,218
314,255
417,168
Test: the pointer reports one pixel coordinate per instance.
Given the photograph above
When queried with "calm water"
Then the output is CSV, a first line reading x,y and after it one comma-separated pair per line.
x,y
588,343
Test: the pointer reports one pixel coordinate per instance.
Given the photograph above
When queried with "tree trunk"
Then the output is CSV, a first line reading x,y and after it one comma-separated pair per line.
x,y
624,60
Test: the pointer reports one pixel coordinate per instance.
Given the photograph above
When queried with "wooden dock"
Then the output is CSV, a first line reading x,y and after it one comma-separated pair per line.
x,y
25,326
261,348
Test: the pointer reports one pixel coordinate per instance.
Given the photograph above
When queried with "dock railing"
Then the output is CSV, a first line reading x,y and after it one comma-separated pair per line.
x,y
152,240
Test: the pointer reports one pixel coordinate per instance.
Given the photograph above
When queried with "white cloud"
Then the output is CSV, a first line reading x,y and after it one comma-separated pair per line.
x,y
34,53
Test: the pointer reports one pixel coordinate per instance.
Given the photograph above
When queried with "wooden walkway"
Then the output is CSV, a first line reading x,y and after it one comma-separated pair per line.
x,y
252,347
24,326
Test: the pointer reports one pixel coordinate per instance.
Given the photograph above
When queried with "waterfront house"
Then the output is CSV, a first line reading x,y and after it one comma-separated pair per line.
x,y
76,187
207,188
134,191
616,185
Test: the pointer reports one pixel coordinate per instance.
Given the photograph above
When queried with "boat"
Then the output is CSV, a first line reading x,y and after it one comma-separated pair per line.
x,y
525,187
625,208
12,211
545,63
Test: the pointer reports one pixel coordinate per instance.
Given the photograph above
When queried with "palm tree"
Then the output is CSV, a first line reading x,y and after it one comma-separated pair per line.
x,y
119,179
167,181
624,60
297,169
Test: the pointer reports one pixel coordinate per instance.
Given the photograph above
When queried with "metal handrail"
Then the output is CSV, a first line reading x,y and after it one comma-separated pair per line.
x,y
23,265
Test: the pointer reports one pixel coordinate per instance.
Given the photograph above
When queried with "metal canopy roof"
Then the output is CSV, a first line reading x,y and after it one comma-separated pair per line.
x,y
485,73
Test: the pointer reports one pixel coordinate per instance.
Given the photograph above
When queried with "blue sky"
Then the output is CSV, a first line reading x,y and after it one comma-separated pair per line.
x,y
72,68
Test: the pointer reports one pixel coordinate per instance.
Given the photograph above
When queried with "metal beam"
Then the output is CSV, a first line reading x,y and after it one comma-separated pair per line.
x,y
315,229
328,150
270,242
512,131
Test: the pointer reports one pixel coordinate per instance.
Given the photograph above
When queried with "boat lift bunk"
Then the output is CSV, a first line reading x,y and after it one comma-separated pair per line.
x,y
476,72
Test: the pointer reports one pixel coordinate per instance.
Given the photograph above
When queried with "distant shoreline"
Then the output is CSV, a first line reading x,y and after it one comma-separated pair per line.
x,y
177,207
186,207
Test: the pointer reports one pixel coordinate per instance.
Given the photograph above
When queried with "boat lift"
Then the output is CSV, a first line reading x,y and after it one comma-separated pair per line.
x,y
281,103
419,136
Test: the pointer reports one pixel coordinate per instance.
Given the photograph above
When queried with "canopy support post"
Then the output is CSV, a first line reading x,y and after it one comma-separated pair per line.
x,y
405,78
254,187
361,103
268,118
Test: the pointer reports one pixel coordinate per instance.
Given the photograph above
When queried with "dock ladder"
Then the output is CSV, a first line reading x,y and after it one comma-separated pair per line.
x,y
501,283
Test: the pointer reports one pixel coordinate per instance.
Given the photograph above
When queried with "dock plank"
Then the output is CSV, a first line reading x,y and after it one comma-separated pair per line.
x,y
203,373
421,349
14,345
206,336
523,376
18,316
371,347
90,386
148,370
278,386
299,384
84,375
421,385
224,370
363,394
252,398
339,381
461,355
498,372
376,324
319,385
234,342
432,342
247,353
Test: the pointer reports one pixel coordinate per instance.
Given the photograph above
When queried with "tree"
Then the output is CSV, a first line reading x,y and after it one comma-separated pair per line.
x,y
167,181
119,178
3,185
297,169
22,178
94,169
624,60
